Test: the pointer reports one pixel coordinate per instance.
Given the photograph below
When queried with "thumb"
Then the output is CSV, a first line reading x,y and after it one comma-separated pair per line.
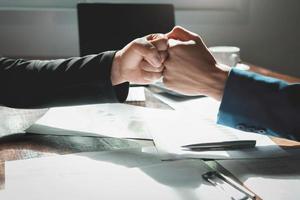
x,y
180,33
159,40
147,52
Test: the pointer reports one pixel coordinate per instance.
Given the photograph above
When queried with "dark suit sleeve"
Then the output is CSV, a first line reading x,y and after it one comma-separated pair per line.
x,y
256,103
63,82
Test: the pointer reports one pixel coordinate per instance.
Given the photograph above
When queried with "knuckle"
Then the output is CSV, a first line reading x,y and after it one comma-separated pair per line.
x,y
135,43
136,46
163,57
144,67
138,40
177,28
153,69
156,76
150,51
164,42
160,69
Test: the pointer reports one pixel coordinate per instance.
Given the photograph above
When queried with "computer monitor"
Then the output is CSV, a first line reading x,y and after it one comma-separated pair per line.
x,y
104,26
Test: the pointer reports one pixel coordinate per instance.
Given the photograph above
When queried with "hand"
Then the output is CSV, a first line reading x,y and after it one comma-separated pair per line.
x,y
140,61
190,68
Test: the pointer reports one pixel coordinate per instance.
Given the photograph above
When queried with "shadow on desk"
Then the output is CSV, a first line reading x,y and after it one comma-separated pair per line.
x,y
26,145
281,169
57,144
172,174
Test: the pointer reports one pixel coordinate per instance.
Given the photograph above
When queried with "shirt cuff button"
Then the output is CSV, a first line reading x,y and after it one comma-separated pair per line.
x,y
261,131
241,127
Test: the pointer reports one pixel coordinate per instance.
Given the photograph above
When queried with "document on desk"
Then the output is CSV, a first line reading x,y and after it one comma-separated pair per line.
x,y
14,120
203,107
196,123
112,120
170,129
271,179
80,163
136,94
84,177
171,134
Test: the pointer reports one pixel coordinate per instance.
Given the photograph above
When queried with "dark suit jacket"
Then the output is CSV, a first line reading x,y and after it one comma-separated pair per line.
x,y
73,81
256,103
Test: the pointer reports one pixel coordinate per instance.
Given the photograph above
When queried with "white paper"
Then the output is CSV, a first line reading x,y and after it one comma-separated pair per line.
x,y
192,122
136,94
195,122
113,120
271,179
76,177
81,162
18,120
170,134
203,106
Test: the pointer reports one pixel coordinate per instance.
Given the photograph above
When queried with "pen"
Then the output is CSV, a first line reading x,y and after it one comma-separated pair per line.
x,y
230,145
211,177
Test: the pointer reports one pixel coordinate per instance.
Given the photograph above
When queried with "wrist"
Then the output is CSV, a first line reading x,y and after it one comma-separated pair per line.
x,y
116,75
218,84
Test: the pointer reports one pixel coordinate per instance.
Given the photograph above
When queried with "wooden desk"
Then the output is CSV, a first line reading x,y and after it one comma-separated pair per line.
x,y
270,73
25,146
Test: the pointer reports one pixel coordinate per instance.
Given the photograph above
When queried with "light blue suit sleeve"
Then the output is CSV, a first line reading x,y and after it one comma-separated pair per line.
x,y
256,103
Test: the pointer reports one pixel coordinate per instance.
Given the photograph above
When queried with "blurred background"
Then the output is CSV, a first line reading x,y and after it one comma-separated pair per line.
x,y
267,31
